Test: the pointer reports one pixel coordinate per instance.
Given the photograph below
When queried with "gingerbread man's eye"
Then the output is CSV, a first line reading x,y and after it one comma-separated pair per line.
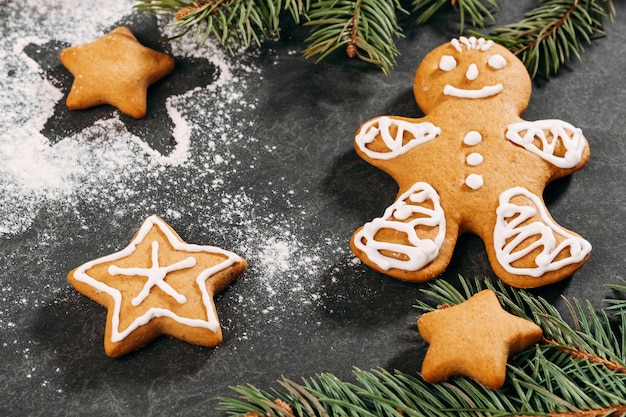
x,y
447,63
496,61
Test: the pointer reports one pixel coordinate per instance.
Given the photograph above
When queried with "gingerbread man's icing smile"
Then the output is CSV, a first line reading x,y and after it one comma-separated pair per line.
x,y
471,165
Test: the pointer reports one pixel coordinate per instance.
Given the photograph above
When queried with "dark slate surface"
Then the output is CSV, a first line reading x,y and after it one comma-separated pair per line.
x,y
300,171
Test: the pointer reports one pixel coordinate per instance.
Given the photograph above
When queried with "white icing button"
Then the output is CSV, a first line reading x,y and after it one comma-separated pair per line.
x,y
474,159
474,181
472,138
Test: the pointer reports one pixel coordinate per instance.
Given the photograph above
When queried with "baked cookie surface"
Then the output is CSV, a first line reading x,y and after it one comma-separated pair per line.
x,y
114,69
471,165
158,285
474,339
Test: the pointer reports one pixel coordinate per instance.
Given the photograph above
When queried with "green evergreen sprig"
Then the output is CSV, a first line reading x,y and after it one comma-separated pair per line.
x,y
578,369
554,32
479,12
546,38
365,28
234,23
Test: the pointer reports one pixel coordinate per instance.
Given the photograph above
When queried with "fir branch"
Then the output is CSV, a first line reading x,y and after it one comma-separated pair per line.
x,y
365,28
617,306
578,371
554,32
478,11
234,23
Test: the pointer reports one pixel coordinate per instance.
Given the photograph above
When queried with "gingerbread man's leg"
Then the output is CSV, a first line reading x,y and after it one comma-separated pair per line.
x,y
529,248
409,236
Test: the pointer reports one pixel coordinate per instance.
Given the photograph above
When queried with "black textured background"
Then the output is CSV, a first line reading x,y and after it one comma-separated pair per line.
x,y
356,317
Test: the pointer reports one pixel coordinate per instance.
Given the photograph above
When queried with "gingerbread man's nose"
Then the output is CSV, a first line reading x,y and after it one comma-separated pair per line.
x,y
472,72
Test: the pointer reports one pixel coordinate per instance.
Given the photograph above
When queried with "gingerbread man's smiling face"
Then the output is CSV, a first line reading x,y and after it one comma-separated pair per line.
x,y
474,72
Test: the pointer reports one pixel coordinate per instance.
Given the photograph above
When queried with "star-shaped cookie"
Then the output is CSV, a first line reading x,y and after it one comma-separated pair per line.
x,y
114,69
474,339
158,285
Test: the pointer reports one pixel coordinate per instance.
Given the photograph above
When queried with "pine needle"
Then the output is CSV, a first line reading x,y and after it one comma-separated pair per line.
x,y
479,12
578,370
364,28
553,33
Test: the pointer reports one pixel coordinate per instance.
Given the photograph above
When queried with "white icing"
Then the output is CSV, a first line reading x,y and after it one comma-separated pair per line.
x,y
447,63
474,159
211,322
421,251
456,44
570,137
512,230
472,138
380,127
156,276
471,43
486,91
472,72
496,61
474,181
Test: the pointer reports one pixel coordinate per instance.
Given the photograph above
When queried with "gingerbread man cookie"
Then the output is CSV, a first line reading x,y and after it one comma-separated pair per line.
x,y
158,285
471,165
114,69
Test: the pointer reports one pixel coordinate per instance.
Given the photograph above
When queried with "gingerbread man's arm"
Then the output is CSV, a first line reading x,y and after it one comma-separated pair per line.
x,y
555,141
388,137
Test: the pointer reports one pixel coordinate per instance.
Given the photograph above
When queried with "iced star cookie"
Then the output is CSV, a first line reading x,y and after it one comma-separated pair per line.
x,y
158,285
471,165
474,339
114,69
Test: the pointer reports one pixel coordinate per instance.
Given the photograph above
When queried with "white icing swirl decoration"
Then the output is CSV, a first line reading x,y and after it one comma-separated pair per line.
x,y
155,276
513,228
397,144
561,132
405,215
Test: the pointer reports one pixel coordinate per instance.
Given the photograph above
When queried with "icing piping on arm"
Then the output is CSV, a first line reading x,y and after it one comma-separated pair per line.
x,y
574,143
509,234
380,127
422,251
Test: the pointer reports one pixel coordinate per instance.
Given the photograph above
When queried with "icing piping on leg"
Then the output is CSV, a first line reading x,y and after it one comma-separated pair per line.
x,y
513,228
405,215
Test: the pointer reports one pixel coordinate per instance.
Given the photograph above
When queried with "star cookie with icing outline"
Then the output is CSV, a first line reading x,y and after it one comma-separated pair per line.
x,y
158,285
114,69
474,339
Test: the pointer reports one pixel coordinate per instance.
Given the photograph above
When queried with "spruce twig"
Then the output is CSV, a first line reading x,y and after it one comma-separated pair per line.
x,y
478,11
365,28
546,38
554,32
577,371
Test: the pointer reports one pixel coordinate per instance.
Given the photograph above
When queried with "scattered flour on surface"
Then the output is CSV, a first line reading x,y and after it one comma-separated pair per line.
x,y
118,175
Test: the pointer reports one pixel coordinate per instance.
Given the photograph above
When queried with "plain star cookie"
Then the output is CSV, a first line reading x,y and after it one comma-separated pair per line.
x,y
474,339
114,69
158,285
471,165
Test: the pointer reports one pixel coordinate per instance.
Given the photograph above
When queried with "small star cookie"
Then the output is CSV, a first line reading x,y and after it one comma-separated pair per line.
x,y
115,69
474,339
158,285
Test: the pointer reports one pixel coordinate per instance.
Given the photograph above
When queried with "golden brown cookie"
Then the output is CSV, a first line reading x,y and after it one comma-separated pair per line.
x,y
471,165
158,285
115,69
474,339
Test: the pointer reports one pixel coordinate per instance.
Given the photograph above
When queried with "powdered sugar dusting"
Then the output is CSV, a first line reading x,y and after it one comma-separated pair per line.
x,y
105,171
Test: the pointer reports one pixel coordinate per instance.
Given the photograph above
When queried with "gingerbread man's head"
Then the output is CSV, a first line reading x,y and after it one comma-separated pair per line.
x,y
472,72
